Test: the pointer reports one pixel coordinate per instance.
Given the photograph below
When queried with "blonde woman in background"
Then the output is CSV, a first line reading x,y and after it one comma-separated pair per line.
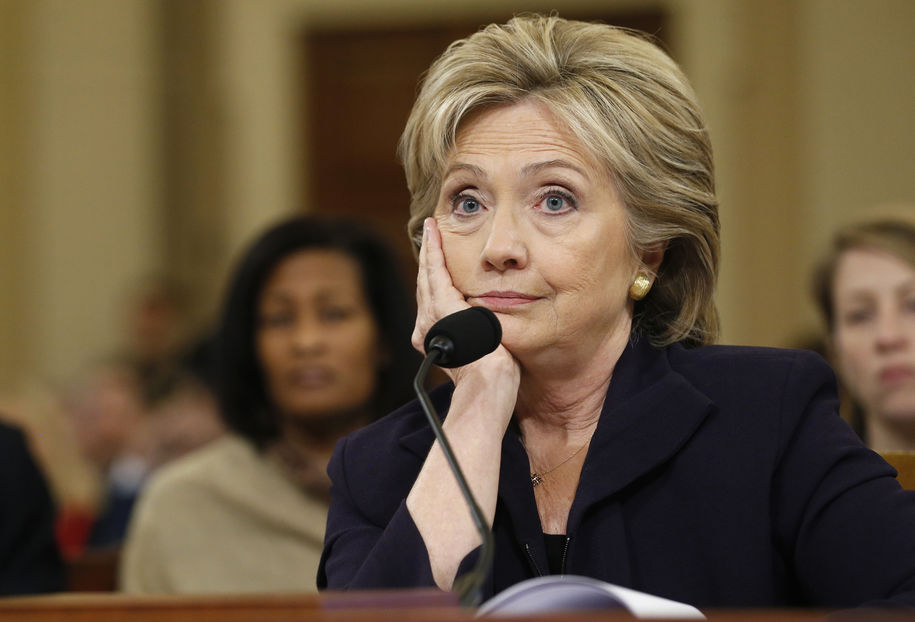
x,y
865,288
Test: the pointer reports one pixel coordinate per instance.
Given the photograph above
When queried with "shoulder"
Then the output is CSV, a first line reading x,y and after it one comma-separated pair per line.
x,y
741,358
191,481
762,393
211,518
227,481
20,472
226,487
206,463
12,443
21,477
748,366
10,435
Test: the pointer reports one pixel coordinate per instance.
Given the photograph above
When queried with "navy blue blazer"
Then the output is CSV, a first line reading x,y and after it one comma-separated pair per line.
x,y
717,476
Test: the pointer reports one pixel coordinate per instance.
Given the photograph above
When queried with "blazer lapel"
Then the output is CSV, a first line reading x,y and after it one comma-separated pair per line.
x,y
650,412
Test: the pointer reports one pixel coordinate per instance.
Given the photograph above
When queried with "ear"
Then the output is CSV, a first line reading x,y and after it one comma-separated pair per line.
x,y
652,257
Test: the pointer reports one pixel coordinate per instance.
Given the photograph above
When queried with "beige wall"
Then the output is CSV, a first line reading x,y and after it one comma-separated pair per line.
x,y
808,103
84,207
741,57
13,323
858,135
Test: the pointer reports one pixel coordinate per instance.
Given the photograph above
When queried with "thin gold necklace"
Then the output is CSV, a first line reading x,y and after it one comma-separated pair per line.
x,y
537,478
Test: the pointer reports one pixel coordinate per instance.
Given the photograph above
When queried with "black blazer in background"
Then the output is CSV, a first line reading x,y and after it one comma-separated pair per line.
x,y
29,559
717,476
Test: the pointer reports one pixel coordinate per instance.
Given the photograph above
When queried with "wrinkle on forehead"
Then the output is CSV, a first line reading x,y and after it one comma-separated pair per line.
x,y
486,133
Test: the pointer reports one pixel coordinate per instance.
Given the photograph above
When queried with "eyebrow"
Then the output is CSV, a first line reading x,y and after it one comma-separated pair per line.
x,y
536,167
460,166
867,292
527,170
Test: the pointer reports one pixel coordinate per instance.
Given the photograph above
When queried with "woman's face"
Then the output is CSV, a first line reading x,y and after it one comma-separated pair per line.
x,y
316,338
534,229
874,338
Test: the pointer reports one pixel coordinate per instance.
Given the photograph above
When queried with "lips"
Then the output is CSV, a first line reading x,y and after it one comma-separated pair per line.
x,y
892,375
504,299
311,377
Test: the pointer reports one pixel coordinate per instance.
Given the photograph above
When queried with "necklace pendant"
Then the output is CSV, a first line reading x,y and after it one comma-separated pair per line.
x,y
536,480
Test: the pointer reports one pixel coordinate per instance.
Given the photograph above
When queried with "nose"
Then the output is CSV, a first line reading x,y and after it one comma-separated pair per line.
x,y
308,336
505,247
891,334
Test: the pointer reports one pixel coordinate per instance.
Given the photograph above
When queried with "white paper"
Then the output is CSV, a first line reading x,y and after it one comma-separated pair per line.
x,y
556,593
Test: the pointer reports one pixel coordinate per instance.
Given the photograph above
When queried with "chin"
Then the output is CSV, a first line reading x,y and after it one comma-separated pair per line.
x,y
522,347
516,337
317,407
900,407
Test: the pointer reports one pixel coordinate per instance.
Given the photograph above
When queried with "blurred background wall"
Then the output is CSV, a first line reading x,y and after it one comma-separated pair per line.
x,y
155,137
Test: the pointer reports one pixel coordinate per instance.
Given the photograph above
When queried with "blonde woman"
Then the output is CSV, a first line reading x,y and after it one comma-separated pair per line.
x,y
561,176
865,288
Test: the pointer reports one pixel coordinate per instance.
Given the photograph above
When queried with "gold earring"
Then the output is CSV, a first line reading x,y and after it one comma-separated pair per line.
x,y
639,288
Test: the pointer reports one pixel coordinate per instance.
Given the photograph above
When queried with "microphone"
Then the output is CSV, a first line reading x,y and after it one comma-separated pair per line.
x,y
464,337
455,340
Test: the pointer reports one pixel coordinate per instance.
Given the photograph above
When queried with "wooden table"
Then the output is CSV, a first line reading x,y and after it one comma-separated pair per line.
x,y
400,606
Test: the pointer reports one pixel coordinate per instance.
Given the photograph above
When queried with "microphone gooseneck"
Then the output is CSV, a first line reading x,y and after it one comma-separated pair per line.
x,y
455,340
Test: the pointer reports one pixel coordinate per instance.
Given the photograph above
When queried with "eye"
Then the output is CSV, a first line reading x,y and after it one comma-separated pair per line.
x,y
554,203
857,316
276,319
335,314
557,202
466,204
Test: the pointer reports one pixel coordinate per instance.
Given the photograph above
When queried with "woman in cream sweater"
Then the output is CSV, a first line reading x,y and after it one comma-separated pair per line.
x,y
314,342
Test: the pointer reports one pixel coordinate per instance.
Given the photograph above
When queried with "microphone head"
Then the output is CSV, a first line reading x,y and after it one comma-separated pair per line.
x,y
464,337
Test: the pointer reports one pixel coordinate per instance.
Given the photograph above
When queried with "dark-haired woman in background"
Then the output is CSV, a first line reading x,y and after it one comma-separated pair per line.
x,y
314,342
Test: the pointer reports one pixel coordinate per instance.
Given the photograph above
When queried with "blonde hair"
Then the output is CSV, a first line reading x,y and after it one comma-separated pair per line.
x,y
627,101
889,232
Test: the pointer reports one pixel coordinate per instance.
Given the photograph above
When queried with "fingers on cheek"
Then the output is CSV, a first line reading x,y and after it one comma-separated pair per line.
x,y
422,280
436,252
421,287
424,251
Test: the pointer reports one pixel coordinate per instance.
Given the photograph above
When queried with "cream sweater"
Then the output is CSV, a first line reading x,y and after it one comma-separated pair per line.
x,y
224,519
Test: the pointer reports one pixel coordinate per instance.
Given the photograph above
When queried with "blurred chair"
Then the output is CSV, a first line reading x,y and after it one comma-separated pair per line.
x,y
93,571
